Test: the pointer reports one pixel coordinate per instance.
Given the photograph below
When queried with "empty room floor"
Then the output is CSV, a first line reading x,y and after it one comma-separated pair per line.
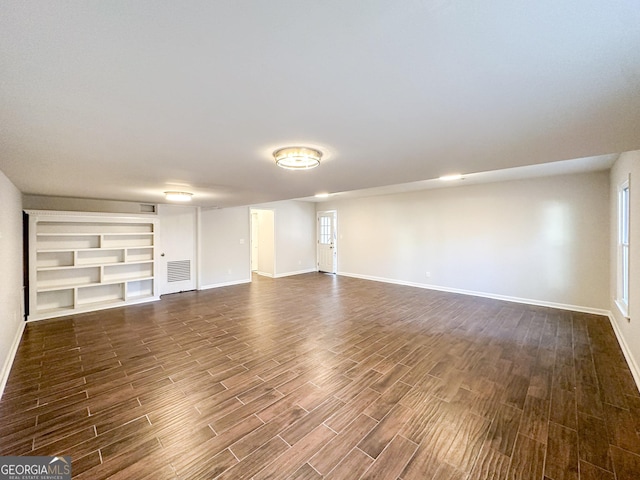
x,y
316,376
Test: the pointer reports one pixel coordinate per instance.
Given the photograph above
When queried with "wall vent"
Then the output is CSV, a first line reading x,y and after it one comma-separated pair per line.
x,y
179,270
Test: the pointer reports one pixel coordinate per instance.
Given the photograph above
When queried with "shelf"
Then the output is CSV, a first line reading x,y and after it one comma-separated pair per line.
x,y
139,254
129,271
100,257
67,234
125,280
99,294
62,250
48,280
92,234
65,267
52,243
118,281
124,234
67,242
95,305
74,226
139,240
54,260
85,262
89,265
56,312
55,301
137,289
96,249
67,287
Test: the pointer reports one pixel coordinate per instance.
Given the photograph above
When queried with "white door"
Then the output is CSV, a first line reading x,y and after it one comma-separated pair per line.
x,y
327,242
177,248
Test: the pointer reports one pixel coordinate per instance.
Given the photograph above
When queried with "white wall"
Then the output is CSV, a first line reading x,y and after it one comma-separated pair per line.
x,y
541,240
11,299
295,238
628,331
224,247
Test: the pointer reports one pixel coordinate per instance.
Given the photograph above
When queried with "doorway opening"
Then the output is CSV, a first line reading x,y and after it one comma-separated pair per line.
x,y
263,257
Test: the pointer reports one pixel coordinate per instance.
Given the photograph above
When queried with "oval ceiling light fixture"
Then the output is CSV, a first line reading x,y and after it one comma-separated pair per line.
x,y
178,196
297,158
322,195
452,177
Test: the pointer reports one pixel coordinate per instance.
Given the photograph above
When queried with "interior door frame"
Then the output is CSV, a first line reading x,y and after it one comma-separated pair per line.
x,y
272,250
334,269
161,261
255,235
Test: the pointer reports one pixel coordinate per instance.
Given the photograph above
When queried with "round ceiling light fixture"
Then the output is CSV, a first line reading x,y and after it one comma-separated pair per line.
x,y
178,196
297,158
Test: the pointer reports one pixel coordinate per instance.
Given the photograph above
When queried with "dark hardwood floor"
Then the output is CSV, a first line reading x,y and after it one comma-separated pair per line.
x,y
316,376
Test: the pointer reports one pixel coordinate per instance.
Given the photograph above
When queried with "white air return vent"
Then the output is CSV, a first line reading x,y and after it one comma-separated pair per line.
x,y
179,270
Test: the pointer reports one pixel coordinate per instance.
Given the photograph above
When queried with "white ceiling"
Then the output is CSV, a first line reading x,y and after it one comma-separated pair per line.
x,y
126,99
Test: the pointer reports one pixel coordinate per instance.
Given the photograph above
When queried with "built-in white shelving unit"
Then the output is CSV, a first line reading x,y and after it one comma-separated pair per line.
x,y
80,262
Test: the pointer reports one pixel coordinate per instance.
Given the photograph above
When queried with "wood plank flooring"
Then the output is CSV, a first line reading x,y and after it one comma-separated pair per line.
x,y
316,376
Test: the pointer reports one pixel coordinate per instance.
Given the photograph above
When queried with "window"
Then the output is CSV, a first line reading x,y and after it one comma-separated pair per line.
x,y
325,230
623,249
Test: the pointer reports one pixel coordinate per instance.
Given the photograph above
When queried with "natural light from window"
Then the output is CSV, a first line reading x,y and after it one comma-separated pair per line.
x,y
622,299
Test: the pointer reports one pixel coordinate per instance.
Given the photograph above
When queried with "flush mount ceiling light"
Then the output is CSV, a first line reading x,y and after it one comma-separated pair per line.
x,y
297,158
178,196
450,178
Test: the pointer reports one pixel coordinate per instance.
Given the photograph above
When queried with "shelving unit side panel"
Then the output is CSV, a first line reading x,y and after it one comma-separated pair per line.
x,y
33,265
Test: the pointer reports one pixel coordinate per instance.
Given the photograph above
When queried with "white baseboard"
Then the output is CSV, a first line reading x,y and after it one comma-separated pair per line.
x,y
626,351
506,298
633,365
225,284
299,272
264,274
8,362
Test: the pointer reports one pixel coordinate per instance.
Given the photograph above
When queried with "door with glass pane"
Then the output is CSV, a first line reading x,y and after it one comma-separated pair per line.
x,y
327,242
